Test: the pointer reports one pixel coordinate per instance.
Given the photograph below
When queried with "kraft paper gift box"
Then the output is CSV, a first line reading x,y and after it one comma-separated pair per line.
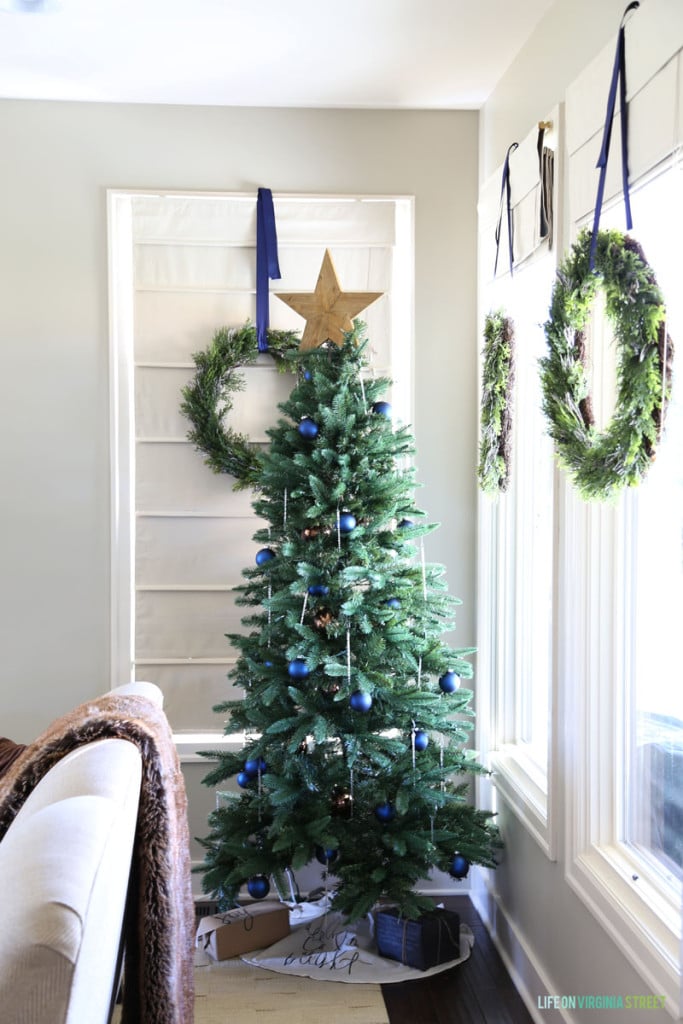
x,y
242,930
434,938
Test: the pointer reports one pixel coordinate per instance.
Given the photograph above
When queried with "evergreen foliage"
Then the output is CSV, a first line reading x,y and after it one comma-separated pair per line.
x,y
496,403
358,612
602,463
207,399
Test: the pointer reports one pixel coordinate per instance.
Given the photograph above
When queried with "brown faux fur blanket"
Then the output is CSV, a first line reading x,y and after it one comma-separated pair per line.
x,y
160,923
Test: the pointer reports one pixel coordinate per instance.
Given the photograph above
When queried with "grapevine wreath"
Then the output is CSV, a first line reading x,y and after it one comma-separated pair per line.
x,y
207,398
601,464
496,403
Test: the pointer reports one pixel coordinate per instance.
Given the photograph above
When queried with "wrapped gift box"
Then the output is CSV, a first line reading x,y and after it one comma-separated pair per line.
x,y
242,930
433,938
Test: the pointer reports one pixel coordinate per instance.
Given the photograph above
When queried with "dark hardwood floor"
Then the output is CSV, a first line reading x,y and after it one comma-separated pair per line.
x,y
478,991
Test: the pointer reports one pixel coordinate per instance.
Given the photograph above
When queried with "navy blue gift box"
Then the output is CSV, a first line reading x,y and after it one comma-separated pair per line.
x,y
431,939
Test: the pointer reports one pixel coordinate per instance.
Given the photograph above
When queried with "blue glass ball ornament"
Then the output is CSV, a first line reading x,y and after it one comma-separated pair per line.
x,y
258,887
318,590
421,739
459,866
385,812
449,682
264,555
326,856
347,522
406,524
243,779
394,603
255,765
308,428
307,374
267,664
360,701
298,669
382,409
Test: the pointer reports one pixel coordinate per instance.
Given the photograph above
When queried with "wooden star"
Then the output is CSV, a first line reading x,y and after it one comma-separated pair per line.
x,y
328,310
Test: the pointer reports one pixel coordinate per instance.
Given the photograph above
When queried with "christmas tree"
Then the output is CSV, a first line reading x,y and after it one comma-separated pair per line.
x,y
355,718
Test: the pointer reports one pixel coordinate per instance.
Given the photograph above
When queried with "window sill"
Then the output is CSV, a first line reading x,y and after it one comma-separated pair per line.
x,y
640,919
524,788
188,744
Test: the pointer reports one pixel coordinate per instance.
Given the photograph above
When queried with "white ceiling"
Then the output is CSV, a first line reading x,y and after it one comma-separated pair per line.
x,y
302,53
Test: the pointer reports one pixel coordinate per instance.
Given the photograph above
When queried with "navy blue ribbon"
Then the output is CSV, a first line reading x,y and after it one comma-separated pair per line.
x,y
267,265
618,82
505,194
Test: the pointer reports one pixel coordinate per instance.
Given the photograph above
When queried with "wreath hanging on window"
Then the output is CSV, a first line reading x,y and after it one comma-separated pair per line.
x,y
496,403
207,399
601,464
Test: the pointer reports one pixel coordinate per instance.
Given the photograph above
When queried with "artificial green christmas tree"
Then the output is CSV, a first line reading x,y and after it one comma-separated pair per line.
x,y
355,718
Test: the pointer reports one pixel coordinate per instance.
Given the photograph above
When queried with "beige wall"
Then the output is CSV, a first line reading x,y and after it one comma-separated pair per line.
x,y
58,160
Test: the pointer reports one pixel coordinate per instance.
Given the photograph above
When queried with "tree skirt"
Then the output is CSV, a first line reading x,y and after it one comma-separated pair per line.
x,y
327,948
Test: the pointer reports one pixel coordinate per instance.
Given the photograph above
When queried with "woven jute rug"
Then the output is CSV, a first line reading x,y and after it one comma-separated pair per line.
x,y
232,992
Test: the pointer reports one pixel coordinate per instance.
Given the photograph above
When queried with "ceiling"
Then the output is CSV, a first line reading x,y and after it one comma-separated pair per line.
x,y
303,53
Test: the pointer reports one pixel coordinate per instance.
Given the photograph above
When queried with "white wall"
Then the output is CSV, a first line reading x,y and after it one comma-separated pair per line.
x,y
58,160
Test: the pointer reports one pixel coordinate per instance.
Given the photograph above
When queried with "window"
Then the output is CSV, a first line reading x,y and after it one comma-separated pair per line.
x,y
651,801
516,601
524,527
622,608
181,266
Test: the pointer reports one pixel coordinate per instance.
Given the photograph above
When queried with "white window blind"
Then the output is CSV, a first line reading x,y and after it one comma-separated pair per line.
x,y
654,80
525,201
181,266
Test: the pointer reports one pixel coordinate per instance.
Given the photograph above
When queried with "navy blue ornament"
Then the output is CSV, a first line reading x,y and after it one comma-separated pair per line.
x,y
459,866
382,409
449,682
406,524
360,701
255,765
298,669
421,739
243,779
347,522
308,428
325,856
318,590
385,812
394,603
258,887
264,555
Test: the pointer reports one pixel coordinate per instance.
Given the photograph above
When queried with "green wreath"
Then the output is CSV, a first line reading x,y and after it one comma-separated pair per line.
x,y
207,398
496,403
600,464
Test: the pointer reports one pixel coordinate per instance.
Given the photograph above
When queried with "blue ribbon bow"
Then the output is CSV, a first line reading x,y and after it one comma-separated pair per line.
x,y
267,265
618,82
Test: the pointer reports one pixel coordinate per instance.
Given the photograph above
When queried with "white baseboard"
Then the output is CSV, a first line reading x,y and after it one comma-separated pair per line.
x,y
527,973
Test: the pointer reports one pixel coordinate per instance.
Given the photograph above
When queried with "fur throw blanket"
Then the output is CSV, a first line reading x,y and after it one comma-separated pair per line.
x,y
160,922
9,752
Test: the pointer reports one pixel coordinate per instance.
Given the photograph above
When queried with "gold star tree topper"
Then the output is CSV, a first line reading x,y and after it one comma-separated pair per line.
x,y
328,310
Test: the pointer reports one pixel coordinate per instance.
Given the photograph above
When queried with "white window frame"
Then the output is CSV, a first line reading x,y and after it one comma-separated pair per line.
x,y
632,903
525,786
